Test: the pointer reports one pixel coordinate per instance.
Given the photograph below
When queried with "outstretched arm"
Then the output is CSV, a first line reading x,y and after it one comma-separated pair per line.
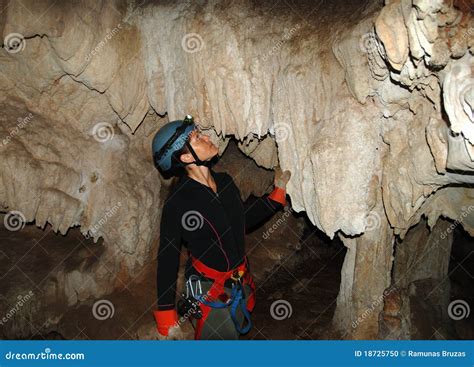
x,y
258,210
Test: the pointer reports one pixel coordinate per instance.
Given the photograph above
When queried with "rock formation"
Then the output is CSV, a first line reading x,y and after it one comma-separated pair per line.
x,y
369,105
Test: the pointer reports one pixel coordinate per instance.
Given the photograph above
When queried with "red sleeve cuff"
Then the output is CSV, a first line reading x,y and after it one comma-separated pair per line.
x,y
279,195
165,320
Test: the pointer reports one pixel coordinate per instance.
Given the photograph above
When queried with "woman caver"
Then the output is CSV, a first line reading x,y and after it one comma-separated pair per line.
x,y
205,213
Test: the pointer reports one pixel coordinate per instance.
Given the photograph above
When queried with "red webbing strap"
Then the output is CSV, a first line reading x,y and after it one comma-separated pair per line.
x,y
217,288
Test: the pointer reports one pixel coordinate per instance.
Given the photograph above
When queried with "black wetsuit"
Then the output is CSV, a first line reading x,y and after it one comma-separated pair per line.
x,y
212,227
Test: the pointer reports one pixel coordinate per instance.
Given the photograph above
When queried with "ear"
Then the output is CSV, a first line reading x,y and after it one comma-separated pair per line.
x,y
186,158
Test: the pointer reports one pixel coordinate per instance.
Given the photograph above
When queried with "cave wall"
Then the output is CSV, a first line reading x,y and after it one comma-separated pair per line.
x,y
369,105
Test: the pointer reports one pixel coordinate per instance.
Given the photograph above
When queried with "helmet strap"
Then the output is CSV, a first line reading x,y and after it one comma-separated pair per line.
x,y
197,161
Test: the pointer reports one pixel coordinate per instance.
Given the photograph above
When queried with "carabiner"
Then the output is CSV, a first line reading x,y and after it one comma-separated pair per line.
x,y
189,286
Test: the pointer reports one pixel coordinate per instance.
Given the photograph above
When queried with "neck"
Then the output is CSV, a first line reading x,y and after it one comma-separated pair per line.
x,y
200,173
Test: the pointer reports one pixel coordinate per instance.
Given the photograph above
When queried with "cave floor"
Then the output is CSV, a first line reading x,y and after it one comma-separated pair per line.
x,y
311,289
307,281
33,257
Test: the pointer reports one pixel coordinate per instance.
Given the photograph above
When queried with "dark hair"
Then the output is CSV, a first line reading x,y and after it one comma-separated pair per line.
x,y
177,168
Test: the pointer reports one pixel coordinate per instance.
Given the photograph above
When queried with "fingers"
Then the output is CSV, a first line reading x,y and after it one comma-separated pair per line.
x,y
279,174
281,178
277,170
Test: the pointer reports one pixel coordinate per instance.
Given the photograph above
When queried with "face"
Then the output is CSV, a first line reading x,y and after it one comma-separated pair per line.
x,y
202,145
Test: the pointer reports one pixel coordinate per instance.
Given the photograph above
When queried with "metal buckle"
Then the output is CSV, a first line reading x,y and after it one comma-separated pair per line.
x,y
237,275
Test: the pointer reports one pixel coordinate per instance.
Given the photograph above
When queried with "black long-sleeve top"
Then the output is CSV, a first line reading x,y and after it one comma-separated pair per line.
x,y
212,227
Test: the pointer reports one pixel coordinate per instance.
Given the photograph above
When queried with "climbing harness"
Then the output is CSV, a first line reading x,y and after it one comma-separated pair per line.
x,y
216,297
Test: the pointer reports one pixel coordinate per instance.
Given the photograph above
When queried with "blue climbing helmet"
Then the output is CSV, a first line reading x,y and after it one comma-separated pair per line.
x,y
171,138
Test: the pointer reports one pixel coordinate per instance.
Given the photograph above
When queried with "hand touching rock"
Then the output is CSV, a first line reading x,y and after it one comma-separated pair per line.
x,y
281,178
